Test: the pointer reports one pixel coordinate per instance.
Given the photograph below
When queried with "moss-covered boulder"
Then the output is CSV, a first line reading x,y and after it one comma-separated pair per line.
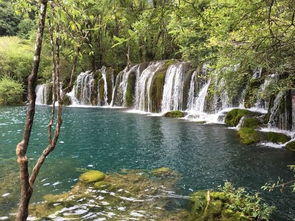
x,y
92,176
233,117
248,135
174,114
251,123
274,137
291,146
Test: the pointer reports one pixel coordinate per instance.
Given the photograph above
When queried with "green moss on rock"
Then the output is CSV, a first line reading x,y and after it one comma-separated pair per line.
x,y
163,171
234,116
291,146
92,176
274,137
251,123
248,135
174,114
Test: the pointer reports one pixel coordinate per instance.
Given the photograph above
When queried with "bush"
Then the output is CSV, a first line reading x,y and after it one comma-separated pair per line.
x,y
10,92
230,204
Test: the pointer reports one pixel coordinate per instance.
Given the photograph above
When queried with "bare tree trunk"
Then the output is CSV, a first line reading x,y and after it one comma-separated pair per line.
x,y
21,149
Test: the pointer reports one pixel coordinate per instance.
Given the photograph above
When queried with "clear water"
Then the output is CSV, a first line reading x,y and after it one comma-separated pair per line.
x,y
111,139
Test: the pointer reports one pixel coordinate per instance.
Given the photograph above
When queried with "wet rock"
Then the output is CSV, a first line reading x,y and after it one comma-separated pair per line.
x,y
174,114
291,146
92,176
248,135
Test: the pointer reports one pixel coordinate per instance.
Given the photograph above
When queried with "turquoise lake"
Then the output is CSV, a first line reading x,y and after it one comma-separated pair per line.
x,y
112,139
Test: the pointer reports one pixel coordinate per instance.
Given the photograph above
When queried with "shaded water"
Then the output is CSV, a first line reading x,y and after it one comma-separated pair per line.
x,y
110,139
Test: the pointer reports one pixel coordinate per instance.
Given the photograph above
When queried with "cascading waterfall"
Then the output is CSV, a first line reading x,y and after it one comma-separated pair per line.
x,y
43,94
196,104
105,83
158,87
82,91
173,88
40,94
143,86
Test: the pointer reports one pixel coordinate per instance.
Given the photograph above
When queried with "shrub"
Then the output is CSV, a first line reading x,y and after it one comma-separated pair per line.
x,y
10,91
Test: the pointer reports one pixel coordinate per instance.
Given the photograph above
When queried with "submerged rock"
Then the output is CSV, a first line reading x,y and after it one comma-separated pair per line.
x,y
174,114
131,195
92,176
163,171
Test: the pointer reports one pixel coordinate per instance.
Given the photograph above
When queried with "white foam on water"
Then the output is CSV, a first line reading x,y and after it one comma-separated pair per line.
x,y
272,145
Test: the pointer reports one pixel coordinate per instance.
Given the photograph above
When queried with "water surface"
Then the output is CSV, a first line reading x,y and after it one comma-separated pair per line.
x,y
111,139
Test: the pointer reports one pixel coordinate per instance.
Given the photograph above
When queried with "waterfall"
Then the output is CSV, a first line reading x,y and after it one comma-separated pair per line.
x,y
43,94
196,104
191,93
143,86
104,78
40,94
173,88
82,91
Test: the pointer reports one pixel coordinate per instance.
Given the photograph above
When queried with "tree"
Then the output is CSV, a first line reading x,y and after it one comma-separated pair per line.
x,y
27,180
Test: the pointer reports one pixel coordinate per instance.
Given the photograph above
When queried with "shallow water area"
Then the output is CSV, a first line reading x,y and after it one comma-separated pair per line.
x,y
113,139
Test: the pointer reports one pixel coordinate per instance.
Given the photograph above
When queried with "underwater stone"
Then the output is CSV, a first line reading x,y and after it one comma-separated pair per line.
x,y
101,185
163,171
174,114
92,176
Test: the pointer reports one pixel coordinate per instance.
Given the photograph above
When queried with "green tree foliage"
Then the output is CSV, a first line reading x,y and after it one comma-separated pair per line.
x,y
233,36
10,91
8,19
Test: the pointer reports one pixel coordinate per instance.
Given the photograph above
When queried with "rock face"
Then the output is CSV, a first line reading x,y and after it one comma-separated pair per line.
x,y
281,113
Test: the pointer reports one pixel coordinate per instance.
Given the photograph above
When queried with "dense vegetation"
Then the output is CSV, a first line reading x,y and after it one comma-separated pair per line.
x,y
220,33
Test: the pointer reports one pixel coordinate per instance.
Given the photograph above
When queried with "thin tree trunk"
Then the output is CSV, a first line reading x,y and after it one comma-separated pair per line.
x,y
21,149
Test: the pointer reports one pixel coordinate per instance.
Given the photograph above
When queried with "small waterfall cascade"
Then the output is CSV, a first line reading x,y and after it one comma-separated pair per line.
x,y
83,89
173,88
40,94
197,104
121,86
143,86
102,88
44,94
221,100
